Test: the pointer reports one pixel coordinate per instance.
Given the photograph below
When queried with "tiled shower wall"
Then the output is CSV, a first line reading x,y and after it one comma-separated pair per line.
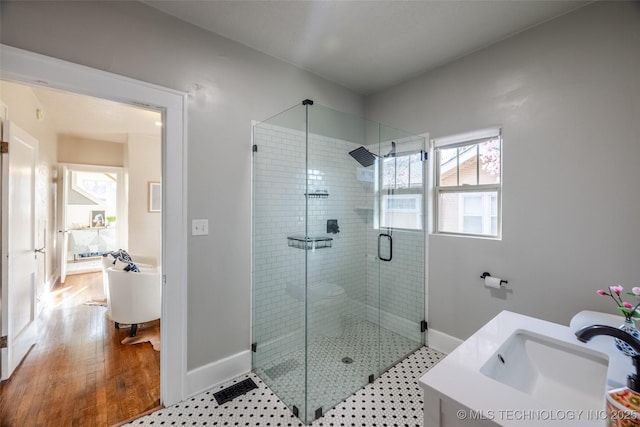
x,y
279,212
401,288
351,263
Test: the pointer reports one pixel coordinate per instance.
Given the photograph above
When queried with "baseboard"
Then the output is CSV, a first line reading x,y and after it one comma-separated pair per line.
x,y
442,342
216,373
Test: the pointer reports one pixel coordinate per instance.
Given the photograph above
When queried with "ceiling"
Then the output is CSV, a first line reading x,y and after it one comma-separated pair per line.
x,y
366,46
97,119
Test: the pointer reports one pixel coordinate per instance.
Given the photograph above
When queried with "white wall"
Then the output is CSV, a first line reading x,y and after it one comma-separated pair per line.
x,y
229,85
84,151
23,103
567,94
144,166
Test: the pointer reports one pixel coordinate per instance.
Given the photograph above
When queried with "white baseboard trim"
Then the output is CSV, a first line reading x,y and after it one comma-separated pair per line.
x,y
442,342
213,374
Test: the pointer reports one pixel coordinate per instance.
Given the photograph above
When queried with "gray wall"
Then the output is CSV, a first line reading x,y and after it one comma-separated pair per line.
x,y
567,94
229,85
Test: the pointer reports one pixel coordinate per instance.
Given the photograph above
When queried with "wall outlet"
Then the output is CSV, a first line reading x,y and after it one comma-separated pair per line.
x,y
199,227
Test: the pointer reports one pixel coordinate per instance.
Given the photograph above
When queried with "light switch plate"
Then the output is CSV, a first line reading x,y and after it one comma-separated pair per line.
x,y
199,227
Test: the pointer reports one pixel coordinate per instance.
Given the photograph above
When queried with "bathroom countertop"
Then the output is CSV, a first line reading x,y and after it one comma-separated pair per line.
x,y
458,377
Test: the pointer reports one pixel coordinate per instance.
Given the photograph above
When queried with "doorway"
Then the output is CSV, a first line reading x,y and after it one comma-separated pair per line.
x,y
23,66
91,205
92,221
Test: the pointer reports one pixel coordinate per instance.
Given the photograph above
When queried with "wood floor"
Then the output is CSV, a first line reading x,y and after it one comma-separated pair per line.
x,y
78,374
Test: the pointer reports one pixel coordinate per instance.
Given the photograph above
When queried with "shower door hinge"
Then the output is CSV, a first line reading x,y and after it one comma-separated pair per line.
x,y
255,148
424,326
424,156
254,347
3,342
296,412
371,378
319,413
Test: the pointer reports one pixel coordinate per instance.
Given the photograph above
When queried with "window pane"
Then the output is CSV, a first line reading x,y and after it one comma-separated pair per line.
x,y
402,171
402,211
468,164
472,205
388,173
415,179
469,167
468,212
448,167
472,224
448,213
394,203
490,159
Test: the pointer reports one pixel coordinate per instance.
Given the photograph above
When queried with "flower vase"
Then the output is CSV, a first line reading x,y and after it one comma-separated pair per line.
x,y
629,327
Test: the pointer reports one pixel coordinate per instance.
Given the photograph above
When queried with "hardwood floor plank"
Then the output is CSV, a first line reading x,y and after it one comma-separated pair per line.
x,y
79,373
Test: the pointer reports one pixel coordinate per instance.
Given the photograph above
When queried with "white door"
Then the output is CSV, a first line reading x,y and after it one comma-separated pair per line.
x,y
18,251
63,233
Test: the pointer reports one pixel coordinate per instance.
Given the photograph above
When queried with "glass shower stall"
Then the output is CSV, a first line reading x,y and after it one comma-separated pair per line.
x,y
338,253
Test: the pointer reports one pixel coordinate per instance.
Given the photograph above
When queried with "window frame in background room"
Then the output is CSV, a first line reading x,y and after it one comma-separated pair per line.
x,y
466,190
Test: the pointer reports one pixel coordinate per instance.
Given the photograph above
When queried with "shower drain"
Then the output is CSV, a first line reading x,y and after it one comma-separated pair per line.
x,y
347,360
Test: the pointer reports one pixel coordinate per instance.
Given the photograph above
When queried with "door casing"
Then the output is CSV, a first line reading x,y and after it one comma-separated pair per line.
x,y
39,70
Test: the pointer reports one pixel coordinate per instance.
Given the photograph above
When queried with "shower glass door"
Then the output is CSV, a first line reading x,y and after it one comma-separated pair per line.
x,y
342,342
400,246
279,276
338,254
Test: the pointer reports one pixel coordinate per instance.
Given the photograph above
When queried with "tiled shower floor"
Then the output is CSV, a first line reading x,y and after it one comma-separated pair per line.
x,y
393,400
330,380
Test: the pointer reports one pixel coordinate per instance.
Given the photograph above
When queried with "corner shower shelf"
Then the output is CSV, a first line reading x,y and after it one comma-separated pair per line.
x,y
321,194
309,243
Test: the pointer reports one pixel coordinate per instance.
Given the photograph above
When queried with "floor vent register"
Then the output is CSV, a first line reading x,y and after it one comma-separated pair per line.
x,y
234,391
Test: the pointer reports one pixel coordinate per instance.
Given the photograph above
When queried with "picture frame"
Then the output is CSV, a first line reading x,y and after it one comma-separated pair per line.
x,y
97,219
155,197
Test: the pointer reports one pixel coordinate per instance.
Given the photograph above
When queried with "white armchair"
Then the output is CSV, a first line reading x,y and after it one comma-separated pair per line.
x,y
134,297
144,263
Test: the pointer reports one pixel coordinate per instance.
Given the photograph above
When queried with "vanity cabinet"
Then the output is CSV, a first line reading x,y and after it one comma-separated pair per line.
x,y
439,411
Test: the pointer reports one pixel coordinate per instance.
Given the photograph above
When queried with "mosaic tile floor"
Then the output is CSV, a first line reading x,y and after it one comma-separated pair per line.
x,y
393,400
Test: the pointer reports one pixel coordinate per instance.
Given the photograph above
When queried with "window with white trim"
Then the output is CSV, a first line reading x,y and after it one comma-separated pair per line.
x,y
468,183
401,194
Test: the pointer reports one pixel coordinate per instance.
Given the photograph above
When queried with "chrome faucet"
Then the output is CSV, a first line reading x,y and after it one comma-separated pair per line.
x,y
588,332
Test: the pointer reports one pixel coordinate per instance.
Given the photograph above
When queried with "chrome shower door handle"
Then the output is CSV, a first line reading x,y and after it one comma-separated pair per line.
x,y
390,239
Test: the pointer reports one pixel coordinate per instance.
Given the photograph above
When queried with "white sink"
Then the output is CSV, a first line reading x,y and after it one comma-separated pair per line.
x,y
550,370
546,370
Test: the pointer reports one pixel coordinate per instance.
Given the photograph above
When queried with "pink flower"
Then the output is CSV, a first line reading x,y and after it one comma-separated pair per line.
x,y
636,290
601,292
617,289
627,305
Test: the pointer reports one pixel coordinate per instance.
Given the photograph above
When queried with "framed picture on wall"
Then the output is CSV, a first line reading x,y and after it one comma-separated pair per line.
x,y
155,197
97,219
